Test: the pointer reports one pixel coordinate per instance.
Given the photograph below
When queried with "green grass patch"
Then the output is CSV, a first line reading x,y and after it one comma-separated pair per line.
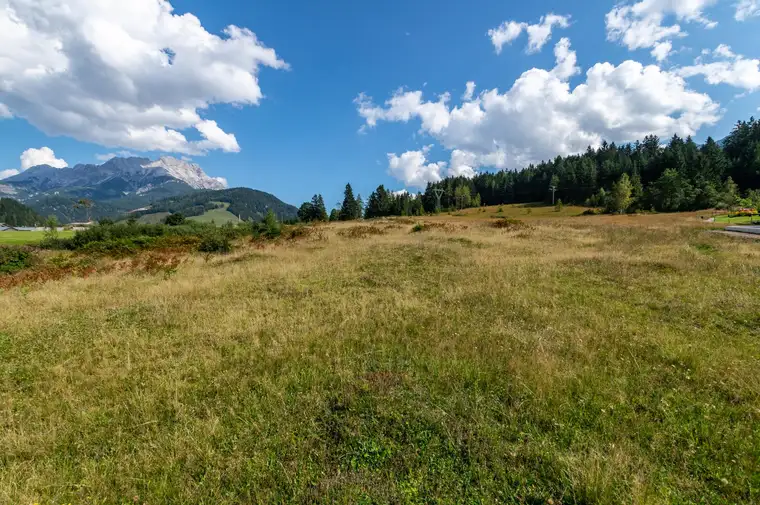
x,y
739,220
27,237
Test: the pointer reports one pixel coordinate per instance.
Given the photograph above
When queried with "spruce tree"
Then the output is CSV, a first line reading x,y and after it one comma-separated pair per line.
x,y
320,211
348,210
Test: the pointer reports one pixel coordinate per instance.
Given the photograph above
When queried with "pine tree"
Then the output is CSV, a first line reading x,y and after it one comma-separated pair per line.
x,y
359,207
348,210
320,211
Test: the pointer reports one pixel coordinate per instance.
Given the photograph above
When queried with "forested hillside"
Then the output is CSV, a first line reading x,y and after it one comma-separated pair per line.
x,y
14,213
243,202
678,176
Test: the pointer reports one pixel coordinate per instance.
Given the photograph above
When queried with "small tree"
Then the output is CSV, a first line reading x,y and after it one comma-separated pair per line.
x,y
359,207
558,206
272,225
730,195
620,197
87,204
51,228
637,191
463,196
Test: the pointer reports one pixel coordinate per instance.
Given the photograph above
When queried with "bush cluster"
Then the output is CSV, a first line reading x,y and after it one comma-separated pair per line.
x,y
123,239
13,259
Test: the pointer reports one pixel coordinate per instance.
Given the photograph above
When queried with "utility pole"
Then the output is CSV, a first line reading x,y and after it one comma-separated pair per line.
x,y
554,189
438,194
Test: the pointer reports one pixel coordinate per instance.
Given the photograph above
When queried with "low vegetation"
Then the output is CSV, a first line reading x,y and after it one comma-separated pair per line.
x,y
509,224
608,359
361,231
13,259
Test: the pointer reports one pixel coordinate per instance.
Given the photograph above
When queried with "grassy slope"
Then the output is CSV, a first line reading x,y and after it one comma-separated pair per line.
x,y
27,237
592,360
156,218
218,216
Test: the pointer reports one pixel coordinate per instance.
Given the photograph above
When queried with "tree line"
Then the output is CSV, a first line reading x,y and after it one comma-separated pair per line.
x,y
645,175
13,213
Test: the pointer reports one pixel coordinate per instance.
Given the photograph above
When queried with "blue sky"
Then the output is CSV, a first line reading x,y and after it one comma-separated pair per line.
x,y
302,135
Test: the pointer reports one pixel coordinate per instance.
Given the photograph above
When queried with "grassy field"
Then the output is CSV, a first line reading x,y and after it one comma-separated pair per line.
x,y
27,237
579,360
518,211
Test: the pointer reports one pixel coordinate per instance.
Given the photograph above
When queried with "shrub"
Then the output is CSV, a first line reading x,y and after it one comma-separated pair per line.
x,y
361,232
418,228
509,224
743,213
215,243
175,219
300,232
13,259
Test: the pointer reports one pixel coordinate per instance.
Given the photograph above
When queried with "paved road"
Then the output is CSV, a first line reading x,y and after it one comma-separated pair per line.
x,y
755,230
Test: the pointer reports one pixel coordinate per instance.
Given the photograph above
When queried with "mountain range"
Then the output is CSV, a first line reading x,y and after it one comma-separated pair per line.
x,y
118,186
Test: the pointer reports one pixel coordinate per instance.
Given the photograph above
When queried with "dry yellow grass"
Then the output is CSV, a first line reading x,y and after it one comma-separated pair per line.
x,y
584,360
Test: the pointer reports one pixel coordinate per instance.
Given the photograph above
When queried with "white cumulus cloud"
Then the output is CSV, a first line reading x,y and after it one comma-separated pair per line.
x,y
733,69
662,50
469,91
42,156
4,174
746,9
566,60
33,157
130,74
724,51
538,34
540,116
5,112
413,168
643,24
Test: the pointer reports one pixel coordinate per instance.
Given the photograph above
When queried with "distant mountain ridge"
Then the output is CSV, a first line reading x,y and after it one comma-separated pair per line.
x,y
113,179
116,186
